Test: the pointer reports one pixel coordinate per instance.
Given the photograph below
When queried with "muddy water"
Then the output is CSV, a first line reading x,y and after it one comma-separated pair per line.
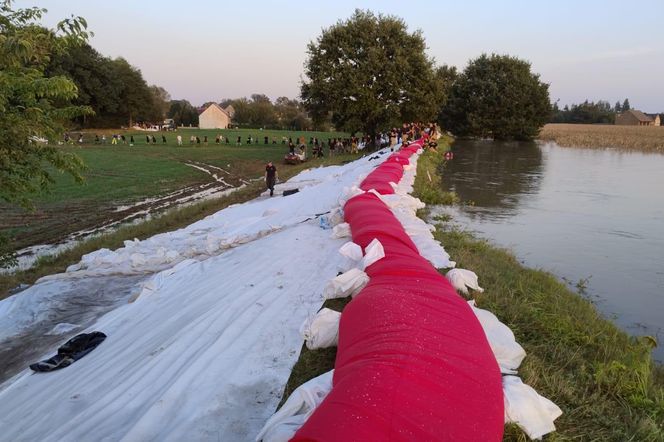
x,y
78,302
595,216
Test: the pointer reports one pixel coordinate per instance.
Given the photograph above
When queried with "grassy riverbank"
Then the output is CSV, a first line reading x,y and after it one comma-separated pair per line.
x,y
644,139
171,220
602,379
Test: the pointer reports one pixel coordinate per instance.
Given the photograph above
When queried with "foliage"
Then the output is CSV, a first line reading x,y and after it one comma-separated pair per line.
x,y
114,89
369,73
33,106
498,97
183,113
587,112
626,106
258,111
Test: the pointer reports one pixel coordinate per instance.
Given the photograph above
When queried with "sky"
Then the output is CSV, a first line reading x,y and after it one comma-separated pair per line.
x,y
206,50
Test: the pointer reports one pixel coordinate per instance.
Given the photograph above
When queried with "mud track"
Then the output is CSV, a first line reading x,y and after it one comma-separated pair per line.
x,y
67,224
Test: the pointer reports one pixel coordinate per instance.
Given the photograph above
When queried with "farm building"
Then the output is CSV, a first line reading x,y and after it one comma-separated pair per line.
x,y
657,119
636,118
214,117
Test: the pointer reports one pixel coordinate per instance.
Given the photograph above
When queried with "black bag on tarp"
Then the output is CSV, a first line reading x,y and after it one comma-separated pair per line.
x,y
71,351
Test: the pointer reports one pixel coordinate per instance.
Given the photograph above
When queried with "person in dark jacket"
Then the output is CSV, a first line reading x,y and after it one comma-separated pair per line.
x,y
270,177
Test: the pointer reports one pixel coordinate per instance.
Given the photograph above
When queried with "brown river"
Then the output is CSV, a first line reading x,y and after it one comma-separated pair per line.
x,y
586,215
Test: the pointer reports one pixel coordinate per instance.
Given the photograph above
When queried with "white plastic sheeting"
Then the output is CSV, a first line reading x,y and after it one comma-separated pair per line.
x,y
283,425
533,413
322,329
462,280
234,226
205,349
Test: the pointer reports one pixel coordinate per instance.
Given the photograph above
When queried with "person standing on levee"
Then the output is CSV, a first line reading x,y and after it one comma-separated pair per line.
x,y
270,177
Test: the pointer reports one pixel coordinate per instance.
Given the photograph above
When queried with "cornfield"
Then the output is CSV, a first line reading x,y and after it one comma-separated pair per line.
x,y
642,138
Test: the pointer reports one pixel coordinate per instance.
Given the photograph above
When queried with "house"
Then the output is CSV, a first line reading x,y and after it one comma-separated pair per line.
x,y
214,117
636,118
230,110
656,118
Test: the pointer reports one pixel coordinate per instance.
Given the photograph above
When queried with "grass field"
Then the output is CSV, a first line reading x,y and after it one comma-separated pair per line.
x,y
604,380
121,174
640,138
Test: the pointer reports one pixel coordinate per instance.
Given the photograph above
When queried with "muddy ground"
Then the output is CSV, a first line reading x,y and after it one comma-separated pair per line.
x,y
67,223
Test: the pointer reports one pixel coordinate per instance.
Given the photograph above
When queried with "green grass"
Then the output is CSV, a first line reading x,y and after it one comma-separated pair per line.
x,y
171,220
122,174
604,380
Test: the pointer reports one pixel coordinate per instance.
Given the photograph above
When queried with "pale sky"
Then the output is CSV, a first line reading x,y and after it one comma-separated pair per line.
x,y
204,50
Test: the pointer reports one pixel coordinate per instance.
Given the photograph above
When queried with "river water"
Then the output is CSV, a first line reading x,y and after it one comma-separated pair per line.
x,y
589,215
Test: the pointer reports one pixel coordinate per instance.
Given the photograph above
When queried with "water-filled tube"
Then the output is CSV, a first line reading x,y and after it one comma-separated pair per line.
x,y
413,363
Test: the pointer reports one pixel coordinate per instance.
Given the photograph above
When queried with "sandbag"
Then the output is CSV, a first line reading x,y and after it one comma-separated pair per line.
x,y
372,253
507,351
300,404
321,330
347,284
462,280
351,251
413,362
533,413
341,230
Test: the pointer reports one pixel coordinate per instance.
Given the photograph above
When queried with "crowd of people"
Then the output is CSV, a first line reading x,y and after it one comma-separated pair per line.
x,y
318,147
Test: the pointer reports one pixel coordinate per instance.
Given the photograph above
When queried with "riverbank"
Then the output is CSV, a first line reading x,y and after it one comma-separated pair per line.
x,y
644,139
171,220
604,381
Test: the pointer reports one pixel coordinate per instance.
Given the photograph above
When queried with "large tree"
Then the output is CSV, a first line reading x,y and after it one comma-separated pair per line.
x,y
369,73
33,106
497,96
183,113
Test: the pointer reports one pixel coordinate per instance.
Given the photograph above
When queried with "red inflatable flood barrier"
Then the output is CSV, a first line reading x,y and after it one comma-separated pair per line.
x,y
413,363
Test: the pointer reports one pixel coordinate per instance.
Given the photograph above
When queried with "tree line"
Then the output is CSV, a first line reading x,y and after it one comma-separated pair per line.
x,y
369,73
589,112
255,111
115,90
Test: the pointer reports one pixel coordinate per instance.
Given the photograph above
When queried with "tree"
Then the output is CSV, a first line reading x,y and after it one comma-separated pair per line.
x,y
91,73
183,113
625,106
161,100
617,108
497,97
33,106
136,101
369,73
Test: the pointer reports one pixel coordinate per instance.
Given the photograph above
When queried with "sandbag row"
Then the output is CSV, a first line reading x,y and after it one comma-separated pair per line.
x,y
413,362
